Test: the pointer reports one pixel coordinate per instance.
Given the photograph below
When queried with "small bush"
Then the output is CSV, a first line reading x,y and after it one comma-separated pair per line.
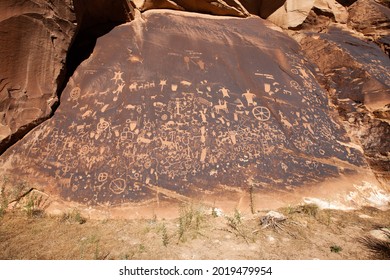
x,y
3,201
164,236
379,248
235,223
35,205
190,221
335,249
73,217
309,209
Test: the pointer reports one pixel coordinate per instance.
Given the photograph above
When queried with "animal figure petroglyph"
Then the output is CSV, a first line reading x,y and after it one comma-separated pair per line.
x,y
221,107
130,107
168,144
239,103
185,83
133,87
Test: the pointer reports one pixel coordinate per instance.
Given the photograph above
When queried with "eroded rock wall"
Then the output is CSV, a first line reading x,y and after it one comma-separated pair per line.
x,y
35,38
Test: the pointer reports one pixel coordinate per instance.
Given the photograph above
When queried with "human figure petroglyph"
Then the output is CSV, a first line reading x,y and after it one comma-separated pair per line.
x,y
118,77
249,98
225,92
163,83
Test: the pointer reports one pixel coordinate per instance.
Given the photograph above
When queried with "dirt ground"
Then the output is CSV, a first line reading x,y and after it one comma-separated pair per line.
x,y
197,233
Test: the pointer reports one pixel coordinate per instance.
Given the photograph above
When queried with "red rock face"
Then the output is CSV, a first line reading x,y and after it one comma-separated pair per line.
x,y
359,87
175,105
372,20
34,50
35,37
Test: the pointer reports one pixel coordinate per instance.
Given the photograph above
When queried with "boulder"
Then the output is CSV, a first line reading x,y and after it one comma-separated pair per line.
x,y
176,106
214,7
293,13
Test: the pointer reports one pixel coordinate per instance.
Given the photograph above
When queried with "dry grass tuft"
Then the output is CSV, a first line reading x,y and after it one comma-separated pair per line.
x,y
380,249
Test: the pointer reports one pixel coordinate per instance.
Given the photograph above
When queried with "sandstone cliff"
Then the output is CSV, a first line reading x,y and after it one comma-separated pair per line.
x,y
176,104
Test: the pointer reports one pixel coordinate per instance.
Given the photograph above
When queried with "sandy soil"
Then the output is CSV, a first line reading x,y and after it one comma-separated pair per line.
x,y
307,233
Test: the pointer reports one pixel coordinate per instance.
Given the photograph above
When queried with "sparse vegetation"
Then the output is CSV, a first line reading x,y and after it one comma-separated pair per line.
x,y
214,212
190,221
251,200
233,236
35,205
73,217
23,197
379,248
164,235
3,199
335,249
235,223
308,209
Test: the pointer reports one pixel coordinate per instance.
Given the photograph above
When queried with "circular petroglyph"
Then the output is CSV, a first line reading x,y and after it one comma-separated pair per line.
x,y
294,84
102,125
261,113
103,177
118,186
164,117
84,150
148,164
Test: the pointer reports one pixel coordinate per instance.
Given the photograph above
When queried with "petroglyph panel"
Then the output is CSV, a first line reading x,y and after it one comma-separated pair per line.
x,y
164,106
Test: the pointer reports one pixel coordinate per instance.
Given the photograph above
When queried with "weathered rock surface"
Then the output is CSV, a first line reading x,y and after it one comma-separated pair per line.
x,y
357,76
293,12
35,37
214,7
175,106
372,20
35,54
